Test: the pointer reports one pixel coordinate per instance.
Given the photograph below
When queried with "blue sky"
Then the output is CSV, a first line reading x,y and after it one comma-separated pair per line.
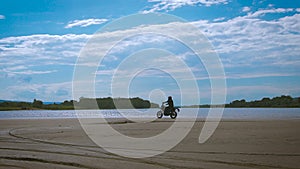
x,y
257,41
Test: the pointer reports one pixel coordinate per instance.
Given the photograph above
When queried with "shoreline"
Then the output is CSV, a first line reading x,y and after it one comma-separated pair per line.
x,y
36,109
245,114
166,119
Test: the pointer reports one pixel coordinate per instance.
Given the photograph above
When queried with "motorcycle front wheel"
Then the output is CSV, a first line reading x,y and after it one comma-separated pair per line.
x,y
159,114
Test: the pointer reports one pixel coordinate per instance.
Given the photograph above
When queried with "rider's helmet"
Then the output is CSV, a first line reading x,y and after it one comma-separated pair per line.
x,y
170,97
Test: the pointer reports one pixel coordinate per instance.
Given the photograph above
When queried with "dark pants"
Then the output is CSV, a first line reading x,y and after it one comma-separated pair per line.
x,y
168,110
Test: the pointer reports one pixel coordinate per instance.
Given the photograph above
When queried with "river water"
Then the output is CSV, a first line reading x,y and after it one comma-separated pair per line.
x,y
228,113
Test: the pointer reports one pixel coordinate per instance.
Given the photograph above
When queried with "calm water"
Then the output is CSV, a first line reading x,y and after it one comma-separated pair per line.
x,y
229,113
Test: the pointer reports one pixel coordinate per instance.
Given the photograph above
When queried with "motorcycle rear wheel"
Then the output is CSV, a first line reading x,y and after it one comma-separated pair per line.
x,y
173,115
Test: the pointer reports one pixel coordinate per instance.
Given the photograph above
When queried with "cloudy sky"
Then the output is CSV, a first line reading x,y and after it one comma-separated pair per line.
x,y
258,43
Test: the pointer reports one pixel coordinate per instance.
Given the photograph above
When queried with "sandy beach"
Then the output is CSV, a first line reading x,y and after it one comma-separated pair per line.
x,y
62,143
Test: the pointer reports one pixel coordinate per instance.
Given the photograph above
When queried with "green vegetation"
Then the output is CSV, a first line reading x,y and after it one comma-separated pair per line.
x,y
138,103
279,102
5,105
84,103
113,103
282,101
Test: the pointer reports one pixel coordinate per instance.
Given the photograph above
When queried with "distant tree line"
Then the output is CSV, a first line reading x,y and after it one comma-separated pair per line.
x,y
83,103
7,105
113,103
282,101
138,103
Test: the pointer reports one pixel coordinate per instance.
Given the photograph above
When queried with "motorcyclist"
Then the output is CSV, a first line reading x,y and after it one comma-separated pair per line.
x,y
170,104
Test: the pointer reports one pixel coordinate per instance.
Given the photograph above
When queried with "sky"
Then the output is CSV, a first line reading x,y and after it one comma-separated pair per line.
x,y
258,43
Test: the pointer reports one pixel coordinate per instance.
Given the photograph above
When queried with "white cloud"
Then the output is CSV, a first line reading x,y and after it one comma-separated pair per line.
x,y
45,92
14,70
246,39
259,75
246,9
40,49
29,56
85,22
251,40
219,19
2,17
291,24
249,75
241,42
267,89
29,72
267,11
271,5
169,5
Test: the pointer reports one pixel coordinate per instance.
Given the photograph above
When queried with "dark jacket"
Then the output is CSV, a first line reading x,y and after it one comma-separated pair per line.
x,y
170,103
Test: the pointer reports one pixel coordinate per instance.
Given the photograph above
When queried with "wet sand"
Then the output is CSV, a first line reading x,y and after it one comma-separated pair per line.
x,y
61,143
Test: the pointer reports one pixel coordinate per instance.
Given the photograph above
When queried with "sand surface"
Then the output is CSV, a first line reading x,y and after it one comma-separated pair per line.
x,y
62,143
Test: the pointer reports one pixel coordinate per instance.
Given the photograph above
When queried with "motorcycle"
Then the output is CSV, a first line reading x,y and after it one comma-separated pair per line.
x,y
166,111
